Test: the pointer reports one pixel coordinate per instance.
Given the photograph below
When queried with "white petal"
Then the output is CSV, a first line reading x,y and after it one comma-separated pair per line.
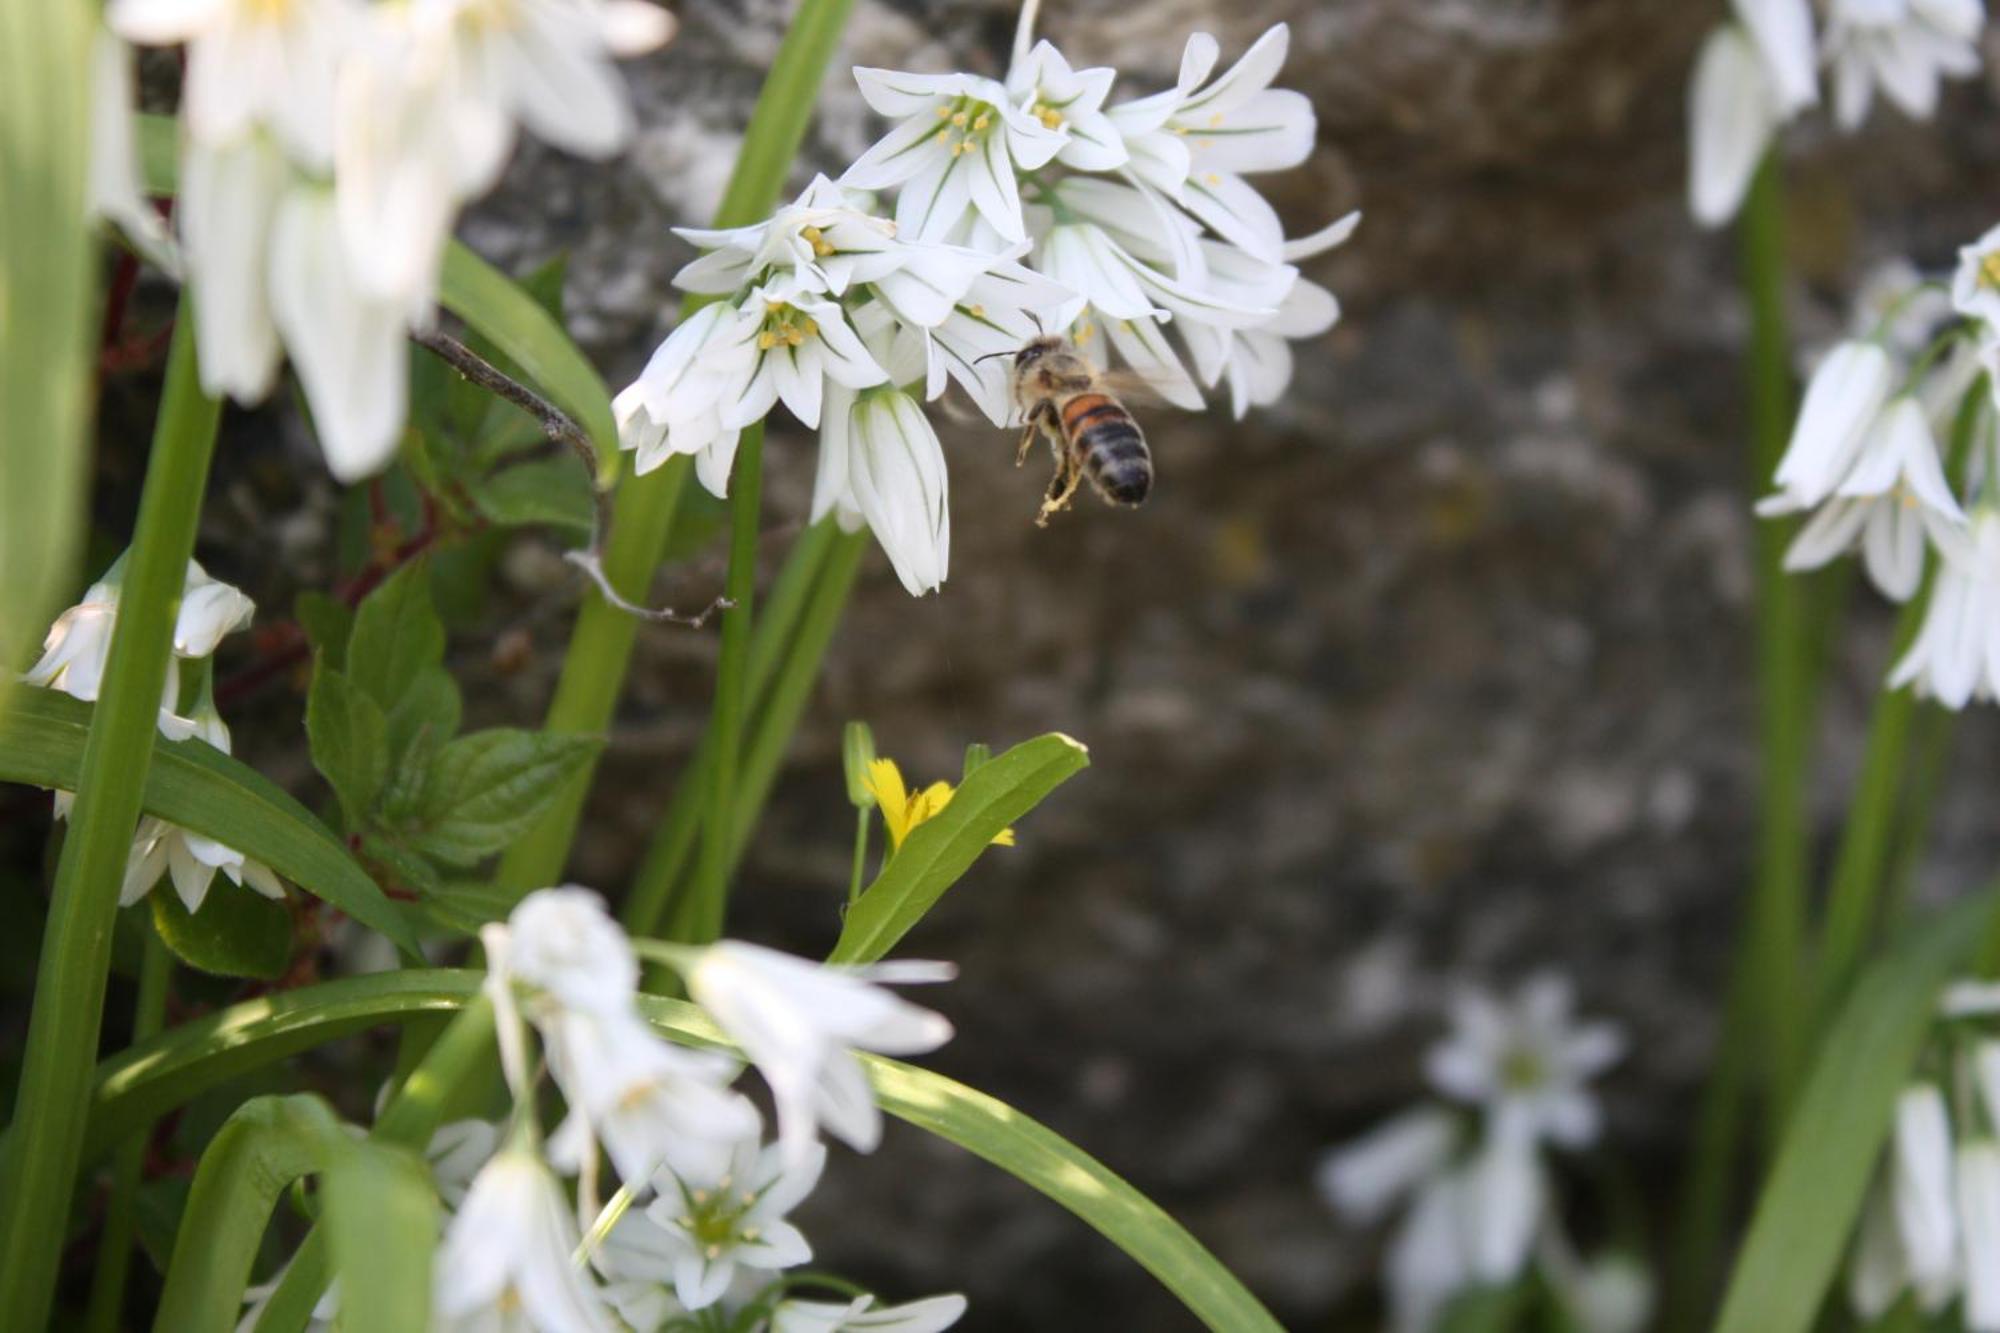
x,y
1731,117
1783,32
1369,1176
228,202
1922,1188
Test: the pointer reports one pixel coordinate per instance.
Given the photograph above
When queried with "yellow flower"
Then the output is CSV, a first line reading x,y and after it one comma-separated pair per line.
x,y
903,810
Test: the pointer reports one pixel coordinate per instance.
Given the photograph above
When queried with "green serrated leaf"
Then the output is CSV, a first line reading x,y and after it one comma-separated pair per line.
x,y
237,932
941,849
425,718
326,622
349,739
1809,1205
397,636
551,491
401,866
462,906
193,784
485,788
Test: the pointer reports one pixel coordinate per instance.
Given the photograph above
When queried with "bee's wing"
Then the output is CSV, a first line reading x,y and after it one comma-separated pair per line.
x,y
1130,388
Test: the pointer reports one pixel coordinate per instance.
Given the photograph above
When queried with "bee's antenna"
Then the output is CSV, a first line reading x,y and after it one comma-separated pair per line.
x,y
1039,327
990,356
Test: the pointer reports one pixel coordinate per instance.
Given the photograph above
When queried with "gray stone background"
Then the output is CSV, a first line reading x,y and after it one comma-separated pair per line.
x,y
1439,671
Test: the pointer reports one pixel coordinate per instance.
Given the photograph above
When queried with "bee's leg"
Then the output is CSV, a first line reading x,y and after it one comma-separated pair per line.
x,y
1027,439
1062,487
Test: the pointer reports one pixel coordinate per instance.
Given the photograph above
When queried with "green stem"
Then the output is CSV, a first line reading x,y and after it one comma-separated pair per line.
x,y
76,945
863,818
770,642
725,727
121,1214
1775,922
1860,866
600,650
457,1057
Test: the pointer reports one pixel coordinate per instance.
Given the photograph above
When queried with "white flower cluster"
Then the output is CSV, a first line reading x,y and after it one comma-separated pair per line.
x,y
73,659
706,1227
1024,206
1759,69
1865,462
1932,1222
327,147
1478,1192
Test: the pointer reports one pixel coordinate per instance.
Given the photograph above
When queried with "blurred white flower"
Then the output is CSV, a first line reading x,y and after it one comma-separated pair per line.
x,y
1977,1182
1841,404
506,1255
1369,1176
1922,1196
1904,47
1782,31
1975,287
1528,1062
456,1152
931,1315
563,942
1893,501
1956,656
709,1224
210,610
956,144
1897,305
1876,1270
114,190
228,203
799,1023
880,463
1733,112
1612,1294
1426,1264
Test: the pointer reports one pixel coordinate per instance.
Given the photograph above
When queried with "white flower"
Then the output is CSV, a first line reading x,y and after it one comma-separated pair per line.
x,y
1921,1191
1733,111
506,1255
709,1224
1783,33
1956,657
1070,102
1975,288
251,64
1003,308
346,343
1528,1062
1846,393
191,860
1877,1272
1986,1074
1195,144
1367,1177
1256,363
210,609
1978,1185
565,943
798,342
229,196
648,1101
798,1022
820,238
674,407
1426,1264
114,190
880,463
956,145
1502,1196
926,1316
1612,1294
1893,499
1896,303
1905,47
456,1152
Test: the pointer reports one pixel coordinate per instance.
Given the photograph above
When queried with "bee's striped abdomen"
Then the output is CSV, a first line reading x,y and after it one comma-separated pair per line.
x,y
1114,454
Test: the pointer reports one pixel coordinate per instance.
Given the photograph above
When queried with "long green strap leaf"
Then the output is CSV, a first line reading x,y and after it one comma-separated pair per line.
x,y
1814,1194
381,1222
941,849
200,788
156,1076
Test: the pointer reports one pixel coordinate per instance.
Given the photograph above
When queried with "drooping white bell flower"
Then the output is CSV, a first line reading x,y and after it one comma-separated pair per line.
x,y
1894,502
880,463
955,147
1975,287
1782,31
708,1225
1503,1197
228,203
1921,1192
646,1100
1846,394
1070,102
1368,1177
1877,1271
1956,656
1976,1182
674,407
800,1023
164,850
1733,112
1904,47
1256,363
456,1152
114,190
1196,141
1528,1061
564,943
506,1255
347,343
1426,1264
1896,304
862,1315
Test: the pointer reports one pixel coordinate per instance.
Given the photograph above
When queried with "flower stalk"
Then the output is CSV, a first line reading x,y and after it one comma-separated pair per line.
x,y
121,1213
46,1136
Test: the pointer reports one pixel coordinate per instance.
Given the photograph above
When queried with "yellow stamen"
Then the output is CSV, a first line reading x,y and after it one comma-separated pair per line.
x,y
811,326
766,341
976,311
1215,120
1989,269
983,121
1212,179
1051,118
960,119
793,337
773,307
944,136
944,113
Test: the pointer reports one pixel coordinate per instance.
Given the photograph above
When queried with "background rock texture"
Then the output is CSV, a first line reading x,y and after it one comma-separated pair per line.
x,y
1437,672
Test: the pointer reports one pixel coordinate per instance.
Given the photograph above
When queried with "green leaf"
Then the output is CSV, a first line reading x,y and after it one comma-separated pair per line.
x,y
1810,1203
397,636
326,622
550,491
153,1077
200,788
511,319
941,849
237,932
462,906
485,788
349,739
380,1215
425,717
402,868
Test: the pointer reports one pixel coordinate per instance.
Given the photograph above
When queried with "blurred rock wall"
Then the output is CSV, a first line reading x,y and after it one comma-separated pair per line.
x,y
1437,672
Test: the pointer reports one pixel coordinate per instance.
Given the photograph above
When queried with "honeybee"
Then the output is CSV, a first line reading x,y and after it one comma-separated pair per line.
x,y
1090,432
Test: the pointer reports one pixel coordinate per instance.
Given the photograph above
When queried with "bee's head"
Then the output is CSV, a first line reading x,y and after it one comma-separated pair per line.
x,y
1034,351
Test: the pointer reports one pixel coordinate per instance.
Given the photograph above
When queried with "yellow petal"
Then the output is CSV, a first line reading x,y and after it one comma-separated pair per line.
x,y
1004,838
885,782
